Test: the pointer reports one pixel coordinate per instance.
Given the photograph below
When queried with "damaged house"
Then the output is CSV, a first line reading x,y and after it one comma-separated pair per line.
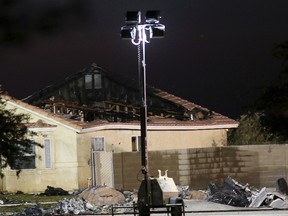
x,y
93,113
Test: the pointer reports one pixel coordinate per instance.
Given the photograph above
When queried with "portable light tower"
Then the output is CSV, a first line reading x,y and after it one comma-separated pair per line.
x,y
141,33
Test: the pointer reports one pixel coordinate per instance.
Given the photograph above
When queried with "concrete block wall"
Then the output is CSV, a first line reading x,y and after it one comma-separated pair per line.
x,y
215,164
257,165
127,167
270,164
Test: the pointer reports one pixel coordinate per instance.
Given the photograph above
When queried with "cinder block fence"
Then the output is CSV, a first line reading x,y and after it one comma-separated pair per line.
x,y
257,165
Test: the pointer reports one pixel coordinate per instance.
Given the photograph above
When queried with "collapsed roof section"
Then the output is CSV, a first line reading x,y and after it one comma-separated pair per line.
x,y
97,94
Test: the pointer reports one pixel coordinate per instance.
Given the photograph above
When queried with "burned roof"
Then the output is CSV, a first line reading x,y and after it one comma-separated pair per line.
x,y
95,94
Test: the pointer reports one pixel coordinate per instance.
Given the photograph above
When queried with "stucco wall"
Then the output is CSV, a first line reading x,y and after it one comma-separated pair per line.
x,y
115,140
64,170
120,140
84,160
258,165
158,140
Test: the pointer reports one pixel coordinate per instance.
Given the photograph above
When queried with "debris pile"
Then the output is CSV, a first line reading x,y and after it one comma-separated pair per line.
x,y
100,199
36,211
52,191
74,206
235,194
102,196
186,193
93,200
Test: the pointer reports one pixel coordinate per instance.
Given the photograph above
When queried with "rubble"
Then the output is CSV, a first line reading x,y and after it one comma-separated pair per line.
x,y
52,191
72,206
102,195
100,199
198,195
259,198
230,193
234,194
184,191
279,204
93,200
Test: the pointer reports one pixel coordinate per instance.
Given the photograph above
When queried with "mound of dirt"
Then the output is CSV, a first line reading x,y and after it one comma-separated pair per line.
x,y
102,196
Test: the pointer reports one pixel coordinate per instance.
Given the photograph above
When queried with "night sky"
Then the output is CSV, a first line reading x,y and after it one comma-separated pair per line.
x,y
216,53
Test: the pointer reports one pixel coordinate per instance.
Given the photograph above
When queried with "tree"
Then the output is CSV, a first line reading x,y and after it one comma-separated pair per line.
x,y
267,118
274,101
16,143
251,131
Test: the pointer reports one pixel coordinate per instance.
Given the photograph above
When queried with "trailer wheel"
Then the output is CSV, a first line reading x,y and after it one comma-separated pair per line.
x,y
177,210
144,210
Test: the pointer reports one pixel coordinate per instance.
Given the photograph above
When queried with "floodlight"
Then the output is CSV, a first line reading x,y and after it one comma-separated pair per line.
x,y
126,32
133,17
152,17
158,31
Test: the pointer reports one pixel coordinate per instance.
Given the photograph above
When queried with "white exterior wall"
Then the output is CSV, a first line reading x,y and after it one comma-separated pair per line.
x,y
64,170
159,140
115,140
121,140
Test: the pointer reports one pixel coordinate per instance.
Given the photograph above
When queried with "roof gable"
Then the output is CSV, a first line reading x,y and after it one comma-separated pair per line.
x,y
97,94
41,114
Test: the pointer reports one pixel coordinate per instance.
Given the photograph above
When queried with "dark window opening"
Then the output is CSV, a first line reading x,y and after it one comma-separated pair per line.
x,y
93,81
27,161
136,143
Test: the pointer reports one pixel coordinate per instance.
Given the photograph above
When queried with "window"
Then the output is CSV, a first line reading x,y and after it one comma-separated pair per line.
x,y
93,81
136,143
27,161
47,153
88,81
97,81
98,143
